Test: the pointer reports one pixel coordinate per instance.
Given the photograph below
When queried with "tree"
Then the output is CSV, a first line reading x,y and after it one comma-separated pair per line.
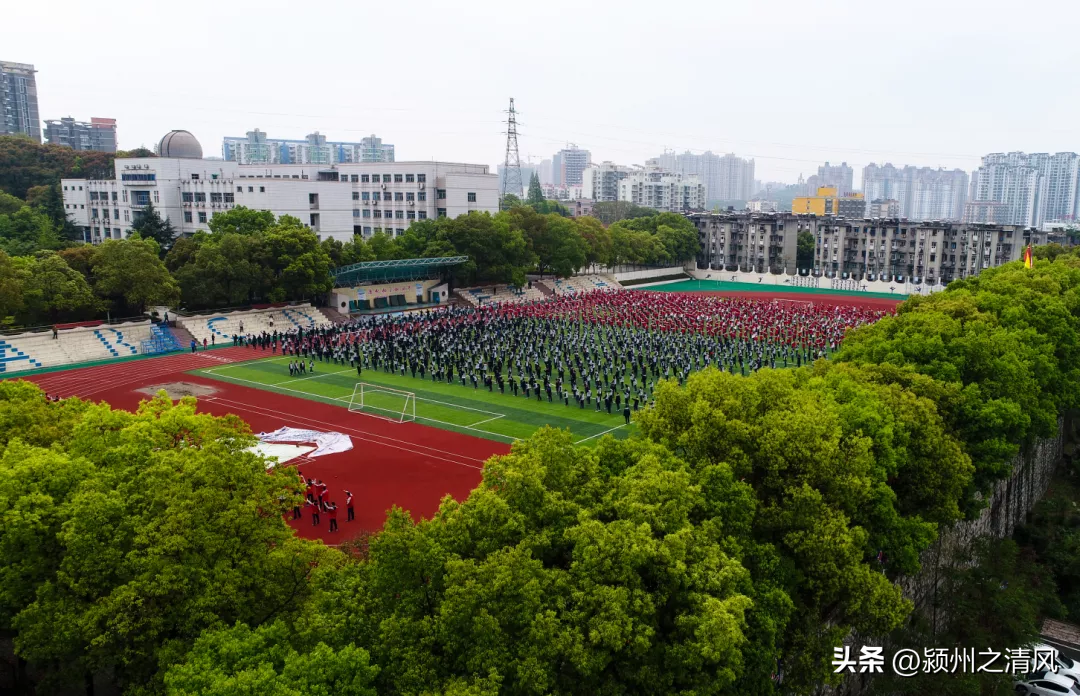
x,y
10,204
27,231
241,220
804,252
510,201
609,212
129,273
25,163
597,240
535,195
497,250
12,281
149,225
263,661
145,530
52,291
301,267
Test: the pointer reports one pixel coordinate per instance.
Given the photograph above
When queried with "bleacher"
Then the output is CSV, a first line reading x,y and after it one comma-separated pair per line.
x,y
30,351
578,284
498,294
222,327
801,281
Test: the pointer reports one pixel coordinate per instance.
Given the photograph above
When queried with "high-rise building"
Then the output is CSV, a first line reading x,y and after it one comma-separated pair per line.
x,y
923,193
884,208
726,177
99,134
256,148
18,100
545,171
664,191
337,200
838,176
569,164
1034,188
600,182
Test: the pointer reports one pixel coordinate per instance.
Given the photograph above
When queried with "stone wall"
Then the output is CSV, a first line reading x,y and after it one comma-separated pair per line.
x,y
1012,499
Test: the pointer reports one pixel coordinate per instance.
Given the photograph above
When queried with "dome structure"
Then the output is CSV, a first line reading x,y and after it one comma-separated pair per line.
x,y
179,143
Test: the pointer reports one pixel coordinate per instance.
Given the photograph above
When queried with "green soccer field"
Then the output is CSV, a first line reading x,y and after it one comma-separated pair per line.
x,y
492,415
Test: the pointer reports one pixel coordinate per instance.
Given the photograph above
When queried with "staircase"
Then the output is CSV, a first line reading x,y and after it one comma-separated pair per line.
x,y
161,340
9,355
333,315
182,336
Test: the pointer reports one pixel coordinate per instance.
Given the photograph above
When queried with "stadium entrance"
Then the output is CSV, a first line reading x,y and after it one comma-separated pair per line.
x,y
400,285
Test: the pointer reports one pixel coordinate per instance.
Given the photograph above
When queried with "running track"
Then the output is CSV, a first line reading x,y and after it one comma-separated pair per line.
x,y
879,303
405,464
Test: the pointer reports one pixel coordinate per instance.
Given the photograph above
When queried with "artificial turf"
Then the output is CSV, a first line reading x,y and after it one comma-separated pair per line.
x,y
727,286
491,415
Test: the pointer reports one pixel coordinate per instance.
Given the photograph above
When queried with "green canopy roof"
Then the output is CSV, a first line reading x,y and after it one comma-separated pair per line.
x,y
393,270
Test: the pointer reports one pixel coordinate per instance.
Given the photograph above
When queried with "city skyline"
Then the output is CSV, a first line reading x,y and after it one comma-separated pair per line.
x,y
616,119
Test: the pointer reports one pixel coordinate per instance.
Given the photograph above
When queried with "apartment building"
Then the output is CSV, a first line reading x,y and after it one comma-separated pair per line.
x,y
759,242
839,176
335,200
726,177
600,182
829,202
859,249
1033,188
98,135
923,193
258,148
664,191
18,100
569,165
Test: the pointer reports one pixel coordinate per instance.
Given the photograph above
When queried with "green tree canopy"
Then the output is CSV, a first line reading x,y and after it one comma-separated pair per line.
x,y
149,225
130,274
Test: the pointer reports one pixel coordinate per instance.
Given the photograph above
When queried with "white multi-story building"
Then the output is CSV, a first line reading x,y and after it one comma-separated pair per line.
x,y
569,164
335,200
923,193
664,191
256,148
726,177
600,182
1032,188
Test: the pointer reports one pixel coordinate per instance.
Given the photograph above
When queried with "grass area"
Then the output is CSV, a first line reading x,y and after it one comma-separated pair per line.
x,y
492,415
728,286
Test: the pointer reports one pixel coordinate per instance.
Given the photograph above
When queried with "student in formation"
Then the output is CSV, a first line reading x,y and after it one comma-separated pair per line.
x,y
350,513
333,517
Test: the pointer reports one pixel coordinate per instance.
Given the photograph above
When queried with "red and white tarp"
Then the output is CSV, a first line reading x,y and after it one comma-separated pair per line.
x,y
325,442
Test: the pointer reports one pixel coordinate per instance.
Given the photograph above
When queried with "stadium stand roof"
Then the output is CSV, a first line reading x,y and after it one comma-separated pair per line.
x,y
393,270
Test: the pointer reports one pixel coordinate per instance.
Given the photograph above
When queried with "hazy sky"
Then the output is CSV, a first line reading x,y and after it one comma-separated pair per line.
x,y
792,84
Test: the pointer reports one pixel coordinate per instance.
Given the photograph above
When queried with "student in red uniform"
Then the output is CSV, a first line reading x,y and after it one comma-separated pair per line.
x,y
349,506
314,514
320,486
333,517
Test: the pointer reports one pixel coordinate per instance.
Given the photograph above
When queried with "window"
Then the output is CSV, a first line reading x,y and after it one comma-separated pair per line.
x,y
194,177
354,178
375,196
409,178
141,197
200,197
202,217
472,197
230,198
116,213
421,195
367,213
215,197
314,219
441,212
440,194
397,178
364,178
398,232
105,213
356,212
262,189
114,200
187,197
421,178
367,230
125,195
156,196
386,178
421,215
187,216
378,213
410,196
365,196
411,215
313,199
399,196
251,189
399,214
93,195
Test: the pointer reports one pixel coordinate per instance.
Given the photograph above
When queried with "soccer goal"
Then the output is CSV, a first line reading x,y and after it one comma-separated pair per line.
x,y
396,405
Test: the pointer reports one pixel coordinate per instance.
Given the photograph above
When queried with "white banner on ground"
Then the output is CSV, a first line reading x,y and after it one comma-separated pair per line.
x,y
325,443
278,453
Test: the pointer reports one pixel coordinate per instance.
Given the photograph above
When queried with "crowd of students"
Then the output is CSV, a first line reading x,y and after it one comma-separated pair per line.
x,y
317,502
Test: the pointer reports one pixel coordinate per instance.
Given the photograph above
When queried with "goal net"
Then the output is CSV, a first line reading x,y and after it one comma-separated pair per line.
x,y
387,403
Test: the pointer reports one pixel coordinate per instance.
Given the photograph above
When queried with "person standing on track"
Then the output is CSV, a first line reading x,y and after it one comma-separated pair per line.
x,y
194,345
314,514
350,512
332,511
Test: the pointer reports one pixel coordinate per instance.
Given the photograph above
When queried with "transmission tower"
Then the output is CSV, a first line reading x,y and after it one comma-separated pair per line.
x,y
512,183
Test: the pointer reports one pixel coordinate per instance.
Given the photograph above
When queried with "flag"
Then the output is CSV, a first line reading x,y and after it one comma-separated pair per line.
x,y
1028,259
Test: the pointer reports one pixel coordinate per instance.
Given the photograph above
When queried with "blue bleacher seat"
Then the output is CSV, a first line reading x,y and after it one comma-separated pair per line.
x,y
10,355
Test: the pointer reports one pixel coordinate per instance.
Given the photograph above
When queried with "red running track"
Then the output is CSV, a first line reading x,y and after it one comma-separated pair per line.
x,y
405,464
842,300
